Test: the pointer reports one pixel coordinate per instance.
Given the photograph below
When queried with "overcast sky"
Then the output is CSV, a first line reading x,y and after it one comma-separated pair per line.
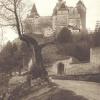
x,y
45,8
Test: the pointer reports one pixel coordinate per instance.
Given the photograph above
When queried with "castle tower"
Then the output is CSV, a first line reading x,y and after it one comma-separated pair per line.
x,y
82,11
60,16
32,21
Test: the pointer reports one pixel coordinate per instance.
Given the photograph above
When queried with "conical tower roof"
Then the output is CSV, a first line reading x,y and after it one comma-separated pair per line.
x,y
80,2
61,5
34,11
34,8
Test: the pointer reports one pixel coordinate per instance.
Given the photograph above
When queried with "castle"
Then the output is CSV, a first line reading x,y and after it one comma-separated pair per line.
x,y
73,18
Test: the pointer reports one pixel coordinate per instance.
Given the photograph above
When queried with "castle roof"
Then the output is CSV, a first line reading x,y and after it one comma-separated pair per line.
x,y
34,11
80,3
60,6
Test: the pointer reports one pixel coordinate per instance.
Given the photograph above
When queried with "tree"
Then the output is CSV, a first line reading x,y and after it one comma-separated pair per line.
x,y
82,52
96,38
12,15
64,36
7,58
14,57
82,37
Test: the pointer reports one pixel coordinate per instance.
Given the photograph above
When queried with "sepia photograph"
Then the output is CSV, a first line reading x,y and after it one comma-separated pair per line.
x,y
49,50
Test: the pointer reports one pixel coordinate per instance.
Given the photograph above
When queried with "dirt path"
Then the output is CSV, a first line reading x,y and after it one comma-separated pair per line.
x,y
89,90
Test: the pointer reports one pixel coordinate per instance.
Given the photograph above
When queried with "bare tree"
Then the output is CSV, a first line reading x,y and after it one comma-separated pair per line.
x,y
11,13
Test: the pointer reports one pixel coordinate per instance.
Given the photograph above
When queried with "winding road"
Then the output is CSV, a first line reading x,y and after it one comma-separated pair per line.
x,y
89,90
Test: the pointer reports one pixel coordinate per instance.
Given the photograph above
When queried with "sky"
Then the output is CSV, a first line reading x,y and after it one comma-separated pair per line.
x,y
45,8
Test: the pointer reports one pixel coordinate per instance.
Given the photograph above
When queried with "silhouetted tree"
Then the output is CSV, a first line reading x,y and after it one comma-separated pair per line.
x,y
64,36
11,57
7,58
96,38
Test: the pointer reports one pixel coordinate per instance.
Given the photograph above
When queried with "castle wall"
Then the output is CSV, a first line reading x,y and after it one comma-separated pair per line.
x,y
74,69
74,17
61,20
95,55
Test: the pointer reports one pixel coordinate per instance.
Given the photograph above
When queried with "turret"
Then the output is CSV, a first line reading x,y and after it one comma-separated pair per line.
x,y
82,11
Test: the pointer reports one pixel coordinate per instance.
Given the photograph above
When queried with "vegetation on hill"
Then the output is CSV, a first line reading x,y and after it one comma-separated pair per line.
x,y
74,45
14,57
64,36
96,38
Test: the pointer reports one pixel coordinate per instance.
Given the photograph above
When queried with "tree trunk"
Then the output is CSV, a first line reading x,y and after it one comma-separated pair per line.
x,y
38,56
37,51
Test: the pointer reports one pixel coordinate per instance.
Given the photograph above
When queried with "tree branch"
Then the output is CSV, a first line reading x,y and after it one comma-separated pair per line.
x,y
45,44
29,39
17,20
5,17
5,6
11,2
6,25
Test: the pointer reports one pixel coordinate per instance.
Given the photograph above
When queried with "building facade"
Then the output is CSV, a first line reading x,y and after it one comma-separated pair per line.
x,y
63,16
95,55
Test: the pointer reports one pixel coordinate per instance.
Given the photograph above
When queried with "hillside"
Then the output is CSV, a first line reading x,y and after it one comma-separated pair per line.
x,y
54,52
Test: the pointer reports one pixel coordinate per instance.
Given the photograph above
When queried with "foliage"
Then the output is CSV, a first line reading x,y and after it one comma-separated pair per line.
x,y
6,57
64,36
78,47
96,38
37,72
82,52
81,37
12,56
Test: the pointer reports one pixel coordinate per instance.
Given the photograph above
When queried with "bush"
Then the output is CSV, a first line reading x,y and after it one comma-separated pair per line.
x,y
64,36
37,72
96,38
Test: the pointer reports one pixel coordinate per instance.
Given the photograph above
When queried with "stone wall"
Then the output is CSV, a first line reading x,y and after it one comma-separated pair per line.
x,y
95,55
76,69
82,68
